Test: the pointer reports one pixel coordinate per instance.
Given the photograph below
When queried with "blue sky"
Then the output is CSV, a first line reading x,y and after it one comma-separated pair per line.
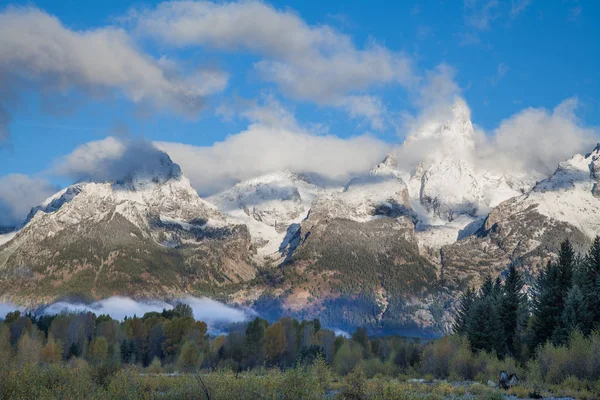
x,y
504,57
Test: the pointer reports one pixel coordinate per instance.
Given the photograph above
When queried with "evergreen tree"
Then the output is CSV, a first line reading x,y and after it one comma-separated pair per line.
x,y
593,256
573,316
588,278
487,289
511,305
484,328
497,290
566,265
462,313
546,306
361,337
255,341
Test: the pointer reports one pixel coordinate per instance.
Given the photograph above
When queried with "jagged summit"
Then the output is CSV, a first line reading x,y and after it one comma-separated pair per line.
x,y
596,150
389,166
389,163
454,136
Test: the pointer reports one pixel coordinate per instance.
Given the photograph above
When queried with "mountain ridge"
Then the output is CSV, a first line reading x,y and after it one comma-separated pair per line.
x,y
391,249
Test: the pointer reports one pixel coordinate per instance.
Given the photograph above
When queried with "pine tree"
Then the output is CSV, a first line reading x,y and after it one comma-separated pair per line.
x,y
587,278
592,259
573,316
484,328
497,290
487,289
512,303
254,343
546,306
462,314
566,265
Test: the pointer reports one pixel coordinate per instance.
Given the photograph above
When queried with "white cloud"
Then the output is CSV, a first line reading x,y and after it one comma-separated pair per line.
x,y
206,310
261,149
18,194
273,142
113,159
212,311
537,138
434,99
369,107
86,161
37,51
532,141
307,62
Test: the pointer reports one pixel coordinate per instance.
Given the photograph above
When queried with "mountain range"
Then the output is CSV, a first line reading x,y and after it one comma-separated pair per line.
x,y
390,249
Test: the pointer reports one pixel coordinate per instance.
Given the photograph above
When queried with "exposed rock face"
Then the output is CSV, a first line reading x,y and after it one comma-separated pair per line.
x,y
144,237
376,252
352,273
355,260
527,230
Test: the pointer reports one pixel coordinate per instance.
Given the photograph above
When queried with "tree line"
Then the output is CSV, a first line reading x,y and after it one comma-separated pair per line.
x,y
504,318
173,340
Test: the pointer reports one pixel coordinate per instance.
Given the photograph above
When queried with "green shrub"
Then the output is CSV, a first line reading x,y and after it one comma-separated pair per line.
x,y
437,357
347,357
354,385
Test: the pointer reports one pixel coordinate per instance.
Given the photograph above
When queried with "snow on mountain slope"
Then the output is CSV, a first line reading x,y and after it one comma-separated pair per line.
x,y
570,195
152,195
448,183
134,200
269,205
146,234
527,230
380,193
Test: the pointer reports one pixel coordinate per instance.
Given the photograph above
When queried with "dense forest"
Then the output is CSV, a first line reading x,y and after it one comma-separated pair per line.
x,y
546,334
504,318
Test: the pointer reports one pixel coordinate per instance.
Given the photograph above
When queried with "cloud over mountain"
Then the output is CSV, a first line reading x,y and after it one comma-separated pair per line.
x,y
272,142
533,140
18,193
114,159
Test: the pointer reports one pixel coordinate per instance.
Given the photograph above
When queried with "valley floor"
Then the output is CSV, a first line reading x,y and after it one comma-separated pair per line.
x,y
78,380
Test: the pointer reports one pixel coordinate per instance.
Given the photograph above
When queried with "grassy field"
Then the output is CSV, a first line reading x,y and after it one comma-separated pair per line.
x,y
79,380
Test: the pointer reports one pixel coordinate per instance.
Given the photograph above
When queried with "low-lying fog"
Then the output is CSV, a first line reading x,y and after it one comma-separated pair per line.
x,y
213,312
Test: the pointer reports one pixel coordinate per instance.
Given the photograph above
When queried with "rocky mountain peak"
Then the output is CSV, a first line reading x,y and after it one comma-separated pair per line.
x,y
389,162
594,158
157,168
388,166
452,137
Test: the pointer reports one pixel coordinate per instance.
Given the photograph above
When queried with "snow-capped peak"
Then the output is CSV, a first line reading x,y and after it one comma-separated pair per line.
x,y
158,191
269,204
388,166
571,194
574,172
454,136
